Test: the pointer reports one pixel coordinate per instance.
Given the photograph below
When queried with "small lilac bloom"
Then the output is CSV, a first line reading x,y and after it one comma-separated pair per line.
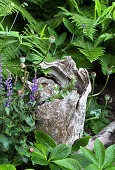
x,y
9,90
83,26
1,75
34,90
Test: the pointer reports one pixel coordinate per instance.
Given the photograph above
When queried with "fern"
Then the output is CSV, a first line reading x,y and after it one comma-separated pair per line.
x,y
92,53
107,61
105,37
98,125
6,7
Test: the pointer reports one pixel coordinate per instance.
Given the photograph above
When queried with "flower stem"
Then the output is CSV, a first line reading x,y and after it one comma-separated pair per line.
x,y
91,94
103,87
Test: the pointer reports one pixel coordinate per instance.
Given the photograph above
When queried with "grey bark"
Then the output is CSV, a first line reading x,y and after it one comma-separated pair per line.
x,y
62,119
106,136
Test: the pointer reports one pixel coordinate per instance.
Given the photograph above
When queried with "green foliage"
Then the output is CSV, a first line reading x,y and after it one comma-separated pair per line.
x,y
46,152
96,116
7,167
102,158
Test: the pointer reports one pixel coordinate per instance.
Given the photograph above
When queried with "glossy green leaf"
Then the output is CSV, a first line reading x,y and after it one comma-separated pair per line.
x,y
83,161
53,33
92,167
7,167
42,33
61,38
69,25
68,163
42,148
98,7
99,152
59,152
109,156
88,154
29,120
80,142
44,139
54,166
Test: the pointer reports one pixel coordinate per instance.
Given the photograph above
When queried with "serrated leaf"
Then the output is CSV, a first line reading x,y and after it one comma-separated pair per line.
x,y
88,154
60,152
80,142
42,148
68,163
99,152
44,139
69,25
109,156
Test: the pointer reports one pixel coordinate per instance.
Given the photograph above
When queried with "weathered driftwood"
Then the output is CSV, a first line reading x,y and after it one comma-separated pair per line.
x,y
106,136
62,119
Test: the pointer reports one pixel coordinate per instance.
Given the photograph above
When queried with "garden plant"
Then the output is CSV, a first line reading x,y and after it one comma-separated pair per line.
x,y
36,31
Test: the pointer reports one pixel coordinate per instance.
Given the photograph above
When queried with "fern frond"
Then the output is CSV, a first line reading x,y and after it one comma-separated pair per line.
x,y
97,125
89,29
107,61
92,53
6,7
104,37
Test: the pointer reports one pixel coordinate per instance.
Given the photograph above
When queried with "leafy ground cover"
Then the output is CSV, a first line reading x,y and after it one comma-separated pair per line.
x,y
81,29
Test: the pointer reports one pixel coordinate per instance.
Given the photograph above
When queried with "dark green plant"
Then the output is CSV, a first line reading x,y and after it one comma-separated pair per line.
x,y
45,152
102,159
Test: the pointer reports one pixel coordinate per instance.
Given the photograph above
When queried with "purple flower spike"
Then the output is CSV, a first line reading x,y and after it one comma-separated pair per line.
x,y
1,74
9,90
34,90
83,26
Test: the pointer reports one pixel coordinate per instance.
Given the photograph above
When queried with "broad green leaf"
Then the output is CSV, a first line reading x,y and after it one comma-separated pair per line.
x,y
7,110
53,33
54,166
59,152
7,167
44,139
92,167
39,157
5,141
42,33
88,154
83,161
80,142
69,25
68,163
114,14
42,148
29,120
109,156
61,38
99,152
111,168
98,7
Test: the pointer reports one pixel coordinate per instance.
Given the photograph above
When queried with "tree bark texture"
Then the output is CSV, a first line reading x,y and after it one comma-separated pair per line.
x,y
62,119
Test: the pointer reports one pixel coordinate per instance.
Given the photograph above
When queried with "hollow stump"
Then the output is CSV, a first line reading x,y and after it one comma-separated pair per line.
x,y
62,119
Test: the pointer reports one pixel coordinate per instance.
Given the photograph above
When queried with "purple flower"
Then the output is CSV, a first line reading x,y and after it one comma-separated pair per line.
x,y
34,90
83,25
9,90
1,75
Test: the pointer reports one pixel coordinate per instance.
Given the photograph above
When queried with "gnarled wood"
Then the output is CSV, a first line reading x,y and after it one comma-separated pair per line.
x,y
62,119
